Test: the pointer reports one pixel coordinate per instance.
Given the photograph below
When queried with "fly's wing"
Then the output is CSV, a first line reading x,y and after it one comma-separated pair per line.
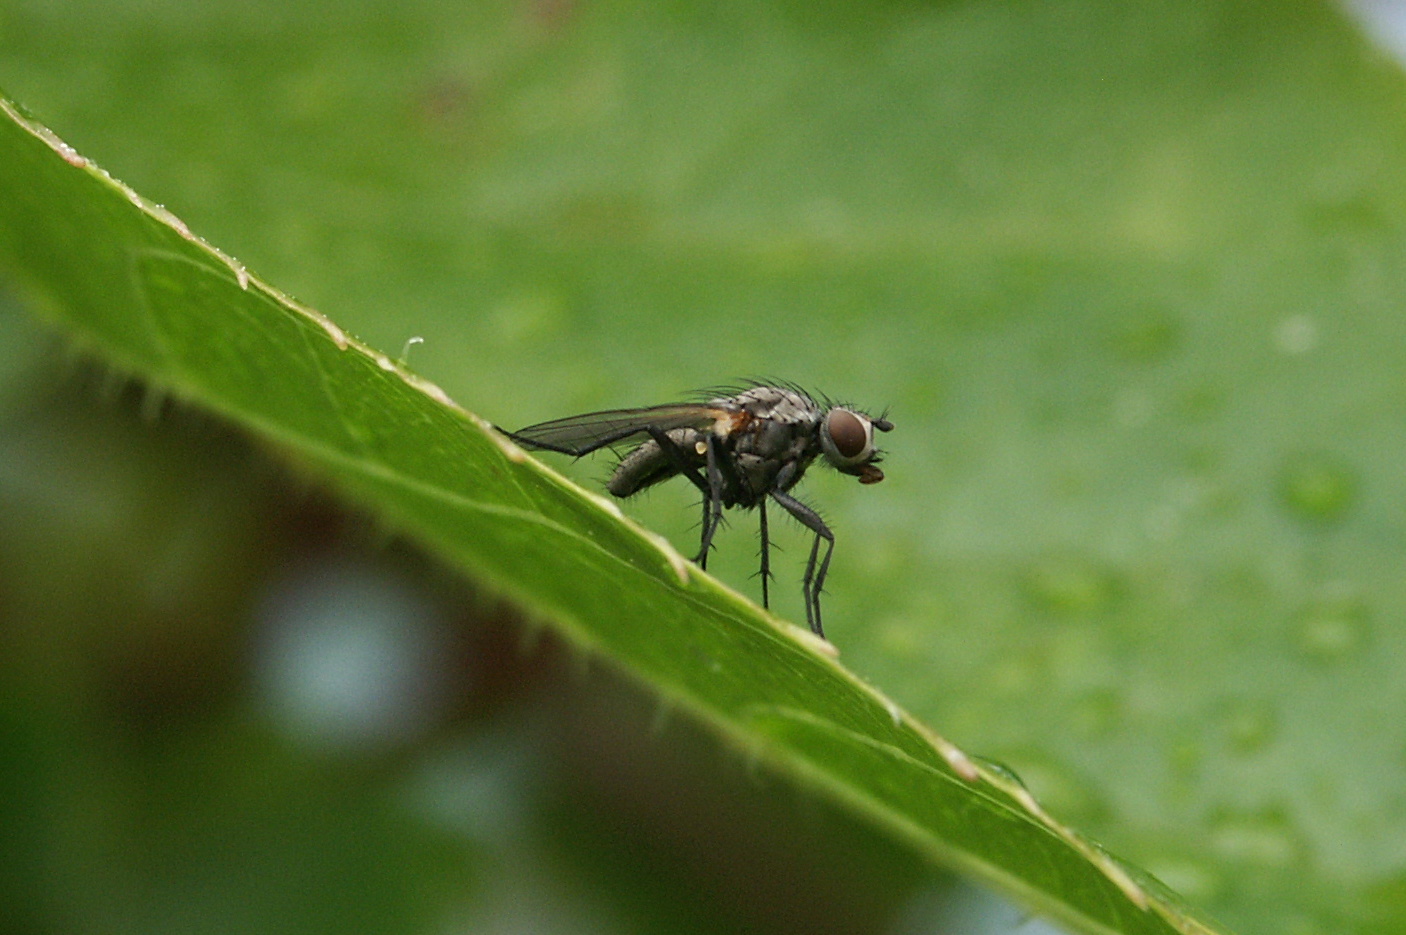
x,y
583,434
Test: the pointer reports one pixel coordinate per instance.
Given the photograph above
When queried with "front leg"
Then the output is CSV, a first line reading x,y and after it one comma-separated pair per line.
x,y
710,488
712,498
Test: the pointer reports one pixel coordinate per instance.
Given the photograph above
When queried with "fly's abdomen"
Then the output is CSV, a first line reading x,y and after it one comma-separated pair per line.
x,y
647,465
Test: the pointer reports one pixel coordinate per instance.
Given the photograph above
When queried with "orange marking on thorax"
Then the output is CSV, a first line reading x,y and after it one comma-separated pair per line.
x,y
730,422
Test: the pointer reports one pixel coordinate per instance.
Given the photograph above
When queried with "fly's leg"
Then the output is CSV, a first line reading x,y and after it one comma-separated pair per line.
x,y
819,584
724,473
719,470
766,553
711,488
712,501
815,575
712,492
678,458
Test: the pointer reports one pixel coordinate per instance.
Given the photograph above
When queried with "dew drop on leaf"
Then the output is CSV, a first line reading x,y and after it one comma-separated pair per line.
x,y
998,769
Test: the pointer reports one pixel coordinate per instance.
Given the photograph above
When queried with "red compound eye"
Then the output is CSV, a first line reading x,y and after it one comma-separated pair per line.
x,y
848,432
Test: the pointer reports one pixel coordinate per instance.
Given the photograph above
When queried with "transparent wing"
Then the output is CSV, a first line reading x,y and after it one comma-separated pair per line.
x,y
580,435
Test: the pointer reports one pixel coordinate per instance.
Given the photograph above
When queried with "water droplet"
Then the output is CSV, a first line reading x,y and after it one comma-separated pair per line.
x,y
1296,334
1132,408
997,769
1317,487
1332,627
1068,585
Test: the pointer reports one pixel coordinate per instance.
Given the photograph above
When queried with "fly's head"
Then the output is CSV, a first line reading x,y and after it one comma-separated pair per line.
x,y
847,439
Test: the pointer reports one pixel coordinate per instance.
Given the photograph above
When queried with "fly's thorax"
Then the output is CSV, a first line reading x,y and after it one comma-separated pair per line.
x,y
762,450
775,439
753,477
775,403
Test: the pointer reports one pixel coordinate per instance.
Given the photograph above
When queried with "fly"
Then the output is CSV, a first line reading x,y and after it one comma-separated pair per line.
x,y
738,447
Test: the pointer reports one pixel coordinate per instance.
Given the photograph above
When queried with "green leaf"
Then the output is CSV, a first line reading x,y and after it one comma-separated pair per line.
x,y
134,284
1129,275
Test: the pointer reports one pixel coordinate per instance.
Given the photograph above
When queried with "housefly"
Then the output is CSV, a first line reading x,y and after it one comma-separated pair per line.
x,y
739,446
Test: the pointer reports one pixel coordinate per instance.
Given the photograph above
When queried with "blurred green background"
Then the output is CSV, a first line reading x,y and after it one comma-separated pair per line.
x,y
1127,276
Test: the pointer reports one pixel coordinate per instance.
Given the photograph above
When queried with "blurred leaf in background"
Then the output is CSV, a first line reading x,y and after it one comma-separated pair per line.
x,y
1127,275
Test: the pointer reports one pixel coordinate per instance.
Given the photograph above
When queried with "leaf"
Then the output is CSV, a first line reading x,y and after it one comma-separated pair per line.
x,y
130,281
1128,275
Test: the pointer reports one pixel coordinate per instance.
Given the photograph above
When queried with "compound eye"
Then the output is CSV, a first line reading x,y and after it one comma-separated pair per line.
x,y
850,437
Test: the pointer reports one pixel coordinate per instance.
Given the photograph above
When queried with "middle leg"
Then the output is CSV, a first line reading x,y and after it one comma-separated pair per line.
x,y
766,553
